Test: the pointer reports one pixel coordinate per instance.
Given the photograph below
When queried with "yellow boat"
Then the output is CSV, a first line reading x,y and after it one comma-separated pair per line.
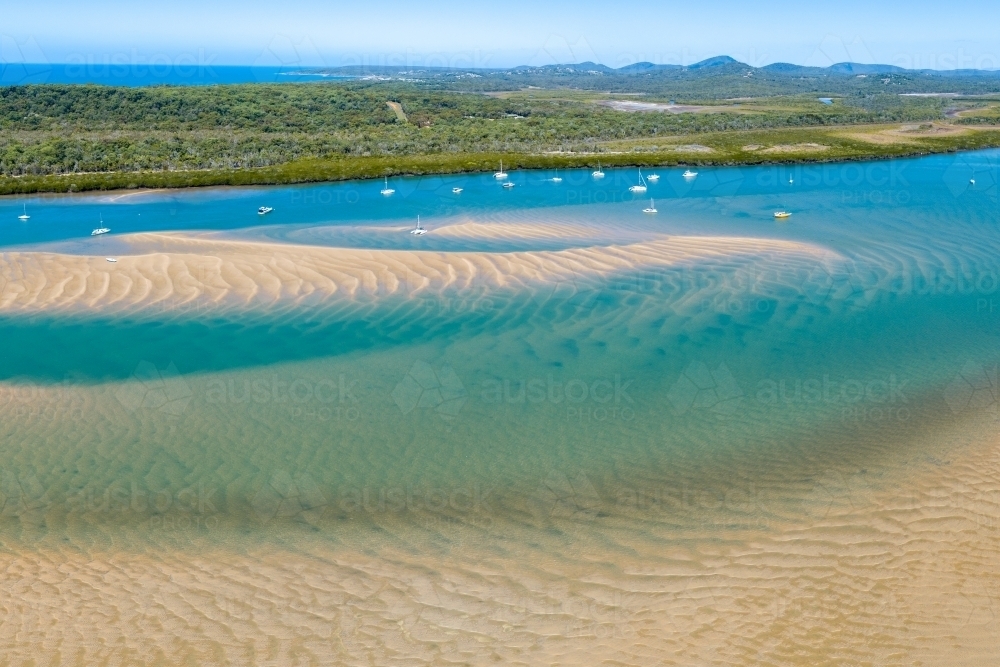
x,y
781,215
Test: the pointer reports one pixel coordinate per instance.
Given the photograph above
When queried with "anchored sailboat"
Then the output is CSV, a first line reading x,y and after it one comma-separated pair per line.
x,y
418,230
642,185
100,230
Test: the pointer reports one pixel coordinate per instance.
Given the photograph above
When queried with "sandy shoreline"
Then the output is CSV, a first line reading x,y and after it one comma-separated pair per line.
x,y
185,268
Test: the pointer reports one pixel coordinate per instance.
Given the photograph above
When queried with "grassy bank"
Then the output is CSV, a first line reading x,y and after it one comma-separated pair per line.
x,y
720,148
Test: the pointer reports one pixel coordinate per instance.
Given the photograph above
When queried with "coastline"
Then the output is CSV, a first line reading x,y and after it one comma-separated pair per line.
x,y
728,149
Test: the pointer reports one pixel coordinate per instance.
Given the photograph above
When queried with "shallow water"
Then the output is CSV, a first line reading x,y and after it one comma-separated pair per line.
x,y
761,458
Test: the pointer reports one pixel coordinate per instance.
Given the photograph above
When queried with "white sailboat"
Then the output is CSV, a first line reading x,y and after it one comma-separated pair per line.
x,y
641,187
387,190
500,175
25,215
557,178
598,173
651,209
100,230
418,230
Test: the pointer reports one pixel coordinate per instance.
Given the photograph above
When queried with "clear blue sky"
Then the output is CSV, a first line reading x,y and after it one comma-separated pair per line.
x,y
914,33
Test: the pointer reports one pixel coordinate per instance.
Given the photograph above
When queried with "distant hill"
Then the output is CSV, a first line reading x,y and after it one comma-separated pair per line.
x,y
721,77
845,69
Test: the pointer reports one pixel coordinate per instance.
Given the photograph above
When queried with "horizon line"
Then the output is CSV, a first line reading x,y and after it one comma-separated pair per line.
x,y
726,60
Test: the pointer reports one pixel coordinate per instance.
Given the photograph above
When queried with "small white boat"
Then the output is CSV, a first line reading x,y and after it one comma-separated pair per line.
x,y
418,230
653,178
100,230
781,215
264,210
598,173
689,174
651,209
972,181
557,178
457,191
639,188
508,185
387,190
25,215
791,181
500,175
111,259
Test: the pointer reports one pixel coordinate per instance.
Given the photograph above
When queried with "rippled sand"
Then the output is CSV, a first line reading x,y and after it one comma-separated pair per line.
x,y
233,273
843,565
431,495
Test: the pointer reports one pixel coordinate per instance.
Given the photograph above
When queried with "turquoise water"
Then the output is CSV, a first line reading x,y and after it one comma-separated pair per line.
x,y
834,199
765,353
612,436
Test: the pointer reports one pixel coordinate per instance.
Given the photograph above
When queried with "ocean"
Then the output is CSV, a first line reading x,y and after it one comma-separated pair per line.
x,y
199,71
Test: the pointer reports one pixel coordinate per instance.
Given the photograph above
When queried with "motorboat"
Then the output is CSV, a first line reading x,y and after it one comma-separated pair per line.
x,y
508,185
457,191
264,210
781,215
689,174
653,178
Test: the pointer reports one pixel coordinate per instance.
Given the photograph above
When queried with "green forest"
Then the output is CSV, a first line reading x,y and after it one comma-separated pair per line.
x,y
58,137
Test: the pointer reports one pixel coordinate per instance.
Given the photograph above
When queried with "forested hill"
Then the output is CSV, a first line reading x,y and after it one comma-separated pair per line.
x,y
54,137
712,79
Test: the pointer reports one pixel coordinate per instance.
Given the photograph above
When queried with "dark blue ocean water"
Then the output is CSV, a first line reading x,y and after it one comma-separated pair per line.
x,y
151,74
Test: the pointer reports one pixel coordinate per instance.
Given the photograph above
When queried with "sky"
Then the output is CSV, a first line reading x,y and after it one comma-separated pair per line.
x,y
914,33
